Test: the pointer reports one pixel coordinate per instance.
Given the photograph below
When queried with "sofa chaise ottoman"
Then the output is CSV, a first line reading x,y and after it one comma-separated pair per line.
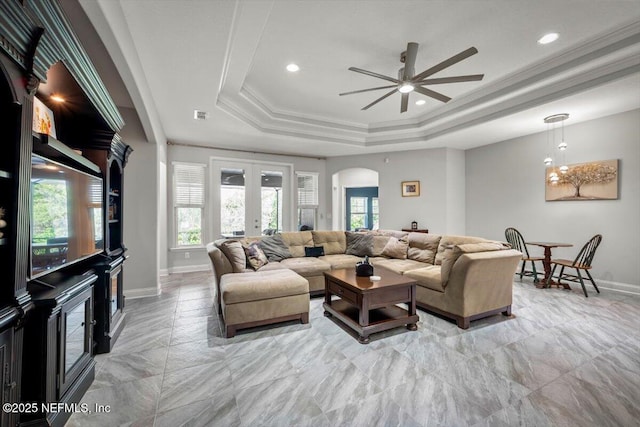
x,y
260,298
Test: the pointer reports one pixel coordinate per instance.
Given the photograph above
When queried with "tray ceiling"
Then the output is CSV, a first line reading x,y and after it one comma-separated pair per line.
x,y
228,58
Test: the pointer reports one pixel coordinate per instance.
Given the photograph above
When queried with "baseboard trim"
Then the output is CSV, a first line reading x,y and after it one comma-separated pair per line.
x,y
142,292
164,272
625,288
189,268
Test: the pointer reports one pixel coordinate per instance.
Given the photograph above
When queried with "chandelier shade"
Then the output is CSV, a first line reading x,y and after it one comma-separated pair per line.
x,y
555,153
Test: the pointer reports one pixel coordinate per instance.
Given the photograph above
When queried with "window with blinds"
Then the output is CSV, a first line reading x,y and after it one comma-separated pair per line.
x,y
307,200
307,189
188,195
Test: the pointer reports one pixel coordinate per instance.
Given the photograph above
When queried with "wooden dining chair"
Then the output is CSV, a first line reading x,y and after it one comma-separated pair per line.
x,y
515,239
582,262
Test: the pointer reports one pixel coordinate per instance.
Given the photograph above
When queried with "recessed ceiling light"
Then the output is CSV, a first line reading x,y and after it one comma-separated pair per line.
x,y
57,98
548,38
421,102
292,68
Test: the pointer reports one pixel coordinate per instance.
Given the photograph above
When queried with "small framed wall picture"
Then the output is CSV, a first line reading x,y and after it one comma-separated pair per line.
x,y
410,188
43,118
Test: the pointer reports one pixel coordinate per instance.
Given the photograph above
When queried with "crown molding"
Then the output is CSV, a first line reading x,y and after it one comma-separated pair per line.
x,y
603,58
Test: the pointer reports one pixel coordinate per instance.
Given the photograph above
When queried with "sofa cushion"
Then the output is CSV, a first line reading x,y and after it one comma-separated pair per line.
x,y
396,248
274,248
451,256
379,242
234,251
447,243
427,277
272,266
255,256
359,244
306,266
296,241
261,285
334,242
341,260
423,247
398,265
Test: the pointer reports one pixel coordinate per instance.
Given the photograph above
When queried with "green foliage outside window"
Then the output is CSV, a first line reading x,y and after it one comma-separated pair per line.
x,y
189,226
49,199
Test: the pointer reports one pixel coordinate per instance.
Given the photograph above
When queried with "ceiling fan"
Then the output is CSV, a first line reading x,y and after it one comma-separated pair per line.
x,y
408,81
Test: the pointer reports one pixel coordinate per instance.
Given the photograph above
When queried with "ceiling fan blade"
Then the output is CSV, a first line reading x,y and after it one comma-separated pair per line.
x,y
372,74
386,95
432,94
404,104
446,63
367,90
455,79
410,61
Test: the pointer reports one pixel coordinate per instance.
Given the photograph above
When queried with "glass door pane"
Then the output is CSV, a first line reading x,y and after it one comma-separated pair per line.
x,y
114,295
75,334
232,202
271,196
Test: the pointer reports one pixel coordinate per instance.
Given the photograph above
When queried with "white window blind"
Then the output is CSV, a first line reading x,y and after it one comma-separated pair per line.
x,y
307,188
95,193
189,185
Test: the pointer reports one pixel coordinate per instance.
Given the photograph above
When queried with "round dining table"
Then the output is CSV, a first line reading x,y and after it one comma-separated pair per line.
x,y
547,262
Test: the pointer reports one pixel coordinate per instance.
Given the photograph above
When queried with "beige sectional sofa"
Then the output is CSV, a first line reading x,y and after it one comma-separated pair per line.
x,y
459,277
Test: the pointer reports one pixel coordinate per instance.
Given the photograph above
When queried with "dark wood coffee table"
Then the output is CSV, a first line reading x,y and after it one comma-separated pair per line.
x,y
368,307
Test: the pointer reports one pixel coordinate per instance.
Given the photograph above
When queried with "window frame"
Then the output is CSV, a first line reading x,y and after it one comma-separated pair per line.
x,y
202,206
314,206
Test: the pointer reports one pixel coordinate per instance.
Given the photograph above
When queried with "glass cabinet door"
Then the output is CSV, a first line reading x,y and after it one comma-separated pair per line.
x,y
76,326
74,335
116,291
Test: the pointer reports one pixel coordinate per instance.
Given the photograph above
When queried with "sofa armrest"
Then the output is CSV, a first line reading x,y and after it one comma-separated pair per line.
x,y
221,265
482,281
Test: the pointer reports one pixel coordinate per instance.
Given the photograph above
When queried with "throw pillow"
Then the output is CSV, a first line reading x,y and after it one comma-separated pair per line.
x,y
255,256
235,253
396,248
274,248
379,242
359,244
314,251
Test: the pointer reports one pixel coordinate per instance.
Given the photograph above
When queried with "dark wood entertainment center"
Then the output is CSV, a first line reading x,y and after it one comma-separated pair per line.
x,y
53,323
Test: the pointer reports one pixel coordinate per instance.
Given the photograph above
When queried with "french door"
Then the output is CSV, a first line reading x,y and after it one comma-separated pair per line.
x,y
250,199
362,208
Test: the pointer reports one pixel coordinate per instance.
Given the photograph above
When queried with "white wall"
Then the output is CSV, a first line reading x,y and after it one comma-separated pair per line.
x,y
348,178
198,259
456,189
141,194
437,170
505,187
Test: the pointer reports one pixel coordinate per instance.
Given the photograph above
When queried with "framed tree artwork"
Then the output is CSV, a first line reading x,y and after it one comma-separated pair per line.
x,y
583,181
410,188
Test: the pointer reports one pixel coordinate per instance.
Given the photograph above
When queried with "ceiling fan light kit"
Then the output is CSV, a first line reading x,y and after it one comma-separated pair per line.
x,y
408,81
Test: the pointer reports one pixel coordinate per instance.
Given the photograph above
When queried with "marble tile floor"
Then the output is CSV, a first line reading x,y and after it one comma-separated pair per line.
x,y
562,360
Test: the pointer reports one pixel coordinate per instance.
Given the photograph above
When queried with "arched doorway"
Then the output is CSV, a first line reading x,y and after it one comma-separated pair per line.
x,y
355,192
